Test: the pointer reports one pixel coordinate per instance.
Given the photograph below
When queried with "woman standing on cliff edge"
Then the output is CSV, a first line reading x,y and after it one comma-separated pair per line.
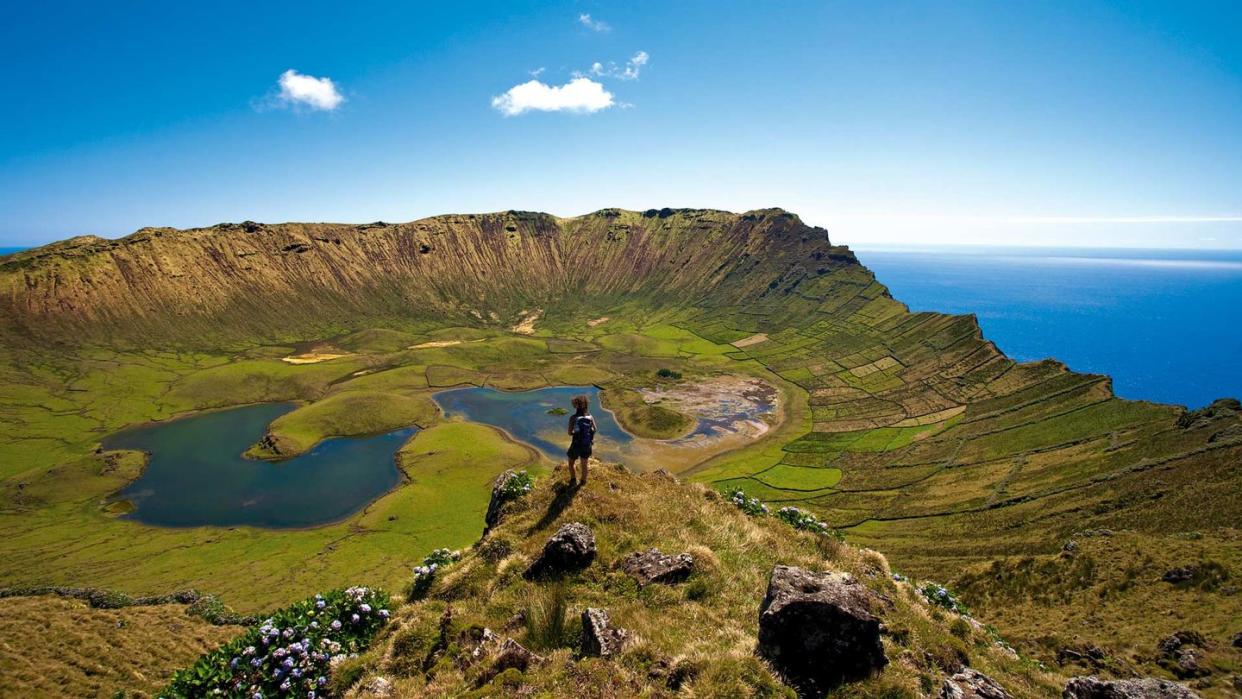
x,y
582,436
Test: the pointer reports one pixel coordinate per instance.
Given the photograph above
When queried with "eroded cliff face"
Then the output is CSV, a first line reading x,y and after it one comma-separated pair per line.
x,y
163,284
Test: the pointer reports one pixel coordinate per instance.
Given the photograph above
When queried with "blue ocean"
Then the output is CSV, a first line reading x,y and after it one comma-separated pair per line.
x,y
1166,325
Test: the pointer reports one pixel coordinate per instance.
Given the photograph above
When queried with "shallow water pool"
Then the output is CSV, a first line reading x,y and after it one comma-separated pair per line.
x,y
196,474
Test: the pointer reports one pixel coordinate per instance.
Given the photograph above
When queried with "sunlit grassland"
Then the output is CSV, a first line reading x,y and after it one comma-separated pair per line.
x,y
63,647
59,528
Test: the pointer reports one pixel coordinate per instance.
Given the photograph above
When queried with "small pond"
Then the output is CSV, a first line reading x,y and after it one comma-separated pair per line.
x,y
525,416
729,413
196,474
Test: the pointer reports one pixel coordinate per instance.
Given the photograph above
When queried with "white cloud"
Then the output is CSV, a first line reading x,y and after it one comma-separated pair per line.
x,y
594,25
629,71
581,95
537,72
298,90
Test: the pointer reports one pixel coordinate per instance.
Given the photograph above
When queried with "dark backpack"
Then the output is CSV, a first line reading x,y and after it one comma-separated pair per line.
x,y
584,430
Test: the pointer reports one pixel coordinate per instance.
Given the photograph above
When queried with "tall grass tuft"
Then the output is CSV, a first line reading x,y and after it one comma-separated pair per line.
x,y
548,625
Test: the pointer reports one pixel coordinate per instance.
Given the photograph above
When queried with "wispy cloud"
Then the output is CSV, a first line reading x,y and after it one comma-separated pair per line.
x,y
581,95
307,91
594,25
629,71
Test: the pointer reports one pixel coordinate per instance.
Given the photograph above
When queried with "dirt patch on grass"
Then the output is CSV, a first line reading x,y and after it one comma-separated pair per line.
x,y
313,357
598,321
748,341
526,326
433,344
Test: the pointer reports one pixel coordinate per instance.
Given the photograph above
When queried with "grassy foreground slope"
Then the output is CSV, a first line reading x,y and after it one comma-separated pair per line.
x,y
918,436
694,638
54,646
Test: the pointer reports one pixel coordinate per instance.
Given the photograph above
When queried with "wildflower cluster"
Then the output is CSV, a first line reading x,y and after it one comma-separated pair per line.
x,y
518,483
432,562
751,506
805,521
940,596
290,653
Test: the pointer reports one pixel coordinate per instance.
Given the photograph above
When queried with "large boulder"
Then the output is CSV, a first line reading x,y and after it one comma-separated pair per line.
x,y
1146,688
817,629
653,566
570,549
972,684
599,638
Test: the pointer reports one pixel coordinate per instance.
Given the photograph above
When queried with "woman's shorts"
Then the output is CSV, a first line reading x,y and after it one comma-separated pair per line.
x,y
578,452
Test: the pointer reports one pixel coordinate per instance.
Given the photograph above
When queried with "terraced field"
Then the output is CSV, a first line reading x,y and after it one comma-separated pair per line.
x,y
910,431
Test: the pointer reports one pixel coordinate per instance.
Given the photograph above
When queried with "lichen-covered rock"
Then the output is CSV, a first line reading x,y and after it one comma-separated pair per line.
x,y
498,501
972,684
599,638
1173,643
378,687
817,629
653,566
571,548
1146,688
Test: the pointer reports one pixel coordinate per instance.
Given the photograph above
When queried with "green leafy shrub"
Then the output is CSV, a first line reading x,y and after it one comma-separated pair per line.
x,y
940,596
289,654
751,506
518,483
426,573
668,374
805,521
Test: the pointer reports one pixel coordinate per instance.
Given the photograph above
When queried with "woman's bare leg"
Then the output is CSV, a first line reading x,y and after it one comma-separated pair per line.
x,y
583,462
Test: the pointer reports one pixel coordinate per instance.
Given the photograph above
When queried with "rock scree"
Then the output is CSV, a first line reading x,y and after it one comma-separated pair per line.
x,y
1147,688
972,684
599,637
570,549
653,566
817,629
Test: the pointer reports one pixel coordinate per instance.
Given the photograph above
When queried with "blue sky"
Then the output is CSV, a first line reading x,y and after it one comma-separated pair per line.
x,y
888,123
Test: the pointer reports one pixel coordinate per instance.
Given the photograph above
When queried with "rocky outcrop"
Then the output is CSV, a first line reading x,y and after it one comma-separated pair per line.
x,y
1182,654
570,549
817,629
652,566
1147,688
1180,574
599,638
377,687
972,684
513,655
497,502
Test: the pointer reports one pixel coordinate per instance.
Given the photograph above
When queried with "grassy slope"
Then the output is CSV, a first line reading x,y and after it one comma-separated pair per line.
x,y
56,647
705,626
